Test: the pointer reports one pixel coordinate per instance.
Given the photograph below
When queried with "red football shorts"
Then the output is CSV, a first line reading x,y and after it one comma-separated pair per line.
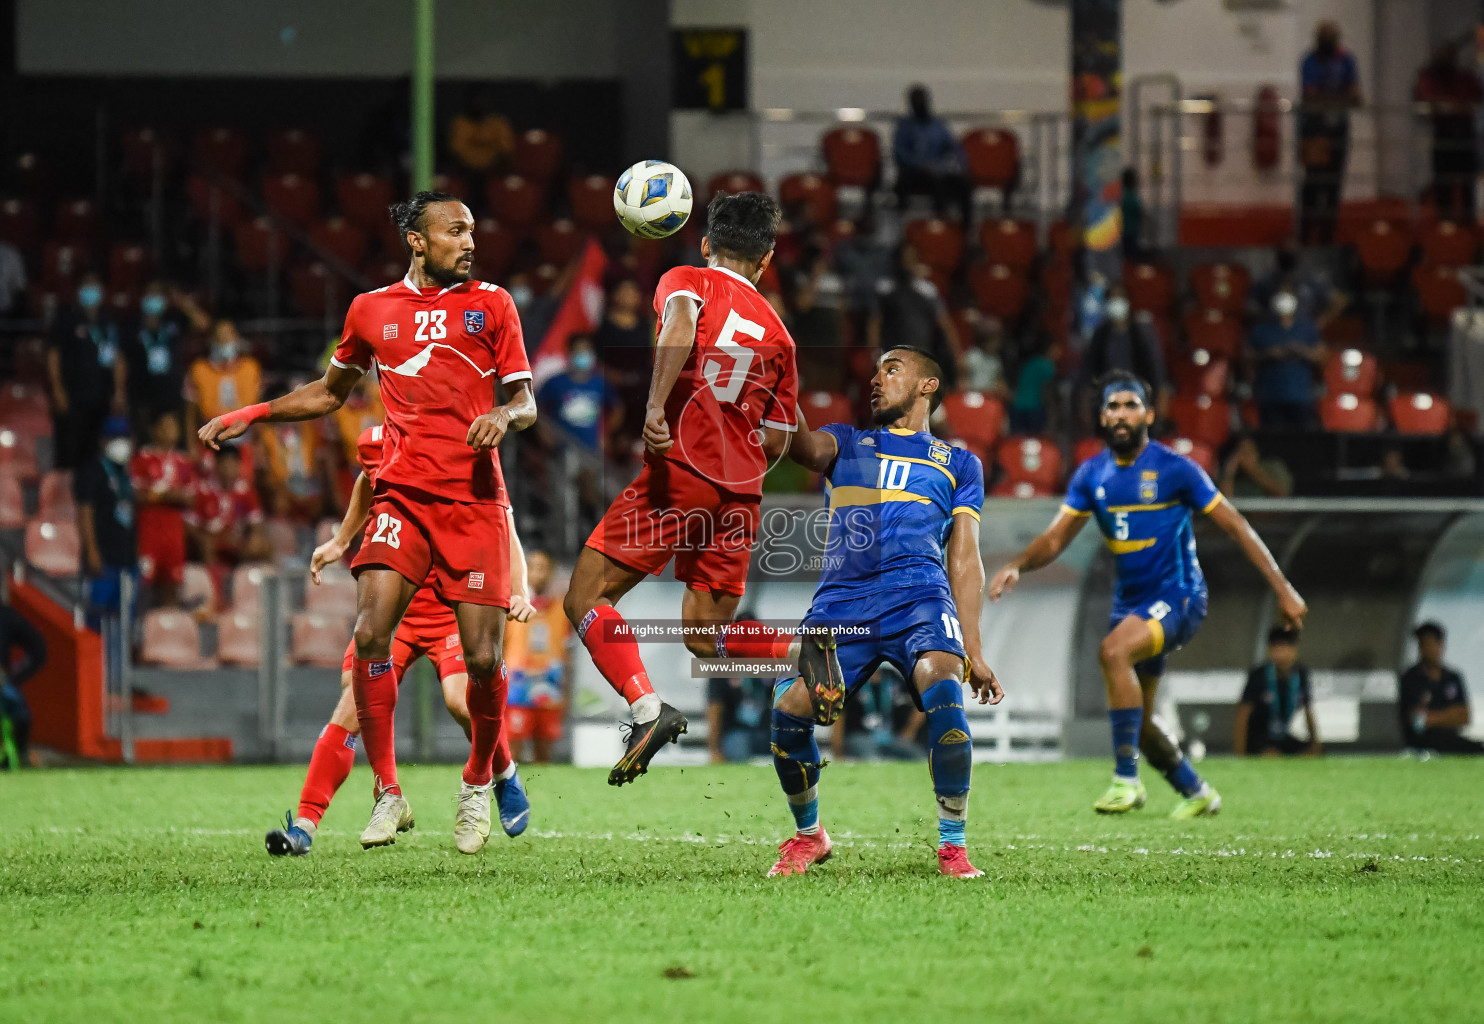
x,y
668,511
162,549
544,723
461,551
434,636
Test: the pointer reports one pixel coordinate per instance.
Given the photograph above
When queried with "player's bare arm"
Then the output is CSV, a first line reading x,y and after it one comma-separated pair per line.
x,y
813,449
966,581
354,521
1038,553
517,414
310,402
1291,606
521,608
672,349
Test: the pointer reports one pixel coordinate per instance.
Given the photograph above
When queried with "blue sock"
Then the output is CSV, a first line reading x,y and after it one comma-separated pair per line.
x,y
950,757
1184,778
1126,725
796,759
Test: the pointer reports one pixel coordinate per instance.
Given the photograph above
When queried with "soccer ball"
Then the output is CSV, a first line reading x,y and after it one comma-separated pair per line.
x,y
652,199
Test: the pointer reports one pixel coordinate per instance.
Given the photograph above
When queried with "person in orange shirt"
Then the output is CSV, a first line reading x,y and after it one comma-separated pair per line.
x,y
227,378
479,138
536,658
361,411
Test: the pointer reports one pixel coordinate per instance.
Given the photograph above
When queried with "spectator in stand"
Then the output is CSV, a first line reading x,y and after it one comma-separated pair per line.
x,y
1035,391
225,521
164,486
1393,465
15,730
1275,691
909,311
12,280
225,379
295,468
581,400
1123,341
817,325
1433,701
625,344
930,160
87,373
862,262
1246,474
1287,351
1318,299
106,516
479,138
1452,93
536,655
153,348
362,409
734,719
1131,206
984,363
1331,86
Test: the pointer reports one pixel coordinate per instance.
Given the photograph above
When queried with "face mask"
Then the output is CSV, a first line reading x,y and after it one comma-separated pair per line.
x,y
90,296
118,450
1118,309
153,305
582,362
1285,304
223,351
521,295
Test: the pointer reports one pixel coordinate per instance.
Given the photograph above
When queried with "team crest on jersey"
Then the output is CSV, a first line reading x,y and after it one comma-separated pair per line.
x,y
1148,491
940,452
473,320
869,440
388,332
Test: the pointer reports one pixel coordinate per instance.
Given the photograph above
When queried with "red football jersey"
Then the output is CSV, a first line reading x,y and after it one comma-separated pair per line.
x,y
740,376
156,470
218,509
439,352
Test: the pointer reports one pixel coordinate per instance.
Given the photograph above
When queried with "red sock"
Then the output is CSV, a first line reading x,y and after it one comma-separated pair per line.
x,y
611,643
747,638
487,717
329,766
375,687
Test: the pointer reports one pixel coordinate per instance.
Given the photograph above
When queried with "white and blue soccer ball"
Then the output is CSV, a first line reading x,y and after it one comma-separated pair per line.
x,y
652,199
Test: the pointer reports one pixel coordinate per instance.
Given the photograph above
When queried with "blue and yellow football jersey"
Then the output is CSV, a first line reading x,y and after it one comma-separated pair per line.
x,y
1143,510
892,496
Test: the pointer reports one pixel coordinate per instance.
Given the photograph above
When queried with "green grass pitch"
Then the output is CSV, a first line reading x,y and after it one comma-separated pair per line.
x,y
1332,890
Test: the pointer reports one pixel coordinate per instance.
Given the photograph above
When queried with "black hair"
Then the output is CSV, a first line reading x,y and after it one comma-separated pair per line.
x,y
1124,377
229,449
743,226
928,364
408,214
1282,635
1432,629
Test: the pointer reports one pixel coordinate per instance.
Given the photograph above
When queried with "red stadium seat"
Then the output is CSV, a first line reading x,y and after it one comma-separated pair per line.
x,y
591,198
208,199
809,194
1062,241
62,263
1086,449
283,539
259,246
516,201
1383,250
237,638
12,501
364,199
18,224
994,157
537,156
53,547
341,239
172,640
939,243
1056,283
1344,413
1214,331
293,151
223,150
453,185
1011,242
976,419
197,591
1201,373
852,156
381,271
1447,244
128,267
54,499
247,585
1418,412
319,640
559,241
1221,286
1031,460
293,197
334,595
821,407
18,454
1008,488
145,152
1202,455
1151,288
1350,371
998,290
1202,418
76,221
316,289
732,182
494,247
1440,292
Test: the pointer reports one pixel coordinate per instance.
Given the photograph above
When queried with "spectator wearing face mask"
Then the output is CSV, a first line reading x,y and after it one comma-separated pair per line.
x,y
580,398
87,373
1287,351
1318,299
1125,342
106,517
152,345
225,379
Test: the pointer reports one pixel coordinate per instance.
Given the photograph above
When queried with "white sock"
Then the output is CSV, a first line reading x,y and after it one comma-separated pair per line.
x,y
508,773
646,708
308,826
794,647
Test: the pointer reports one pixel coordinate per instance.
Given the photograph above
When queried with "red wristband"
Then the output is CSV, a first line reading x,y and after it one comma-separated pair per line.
x,y
247,414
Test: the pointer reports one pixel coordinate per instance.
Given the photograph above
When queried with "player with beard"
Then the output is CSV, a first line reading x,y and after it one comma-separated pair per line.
x,y
1142,495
